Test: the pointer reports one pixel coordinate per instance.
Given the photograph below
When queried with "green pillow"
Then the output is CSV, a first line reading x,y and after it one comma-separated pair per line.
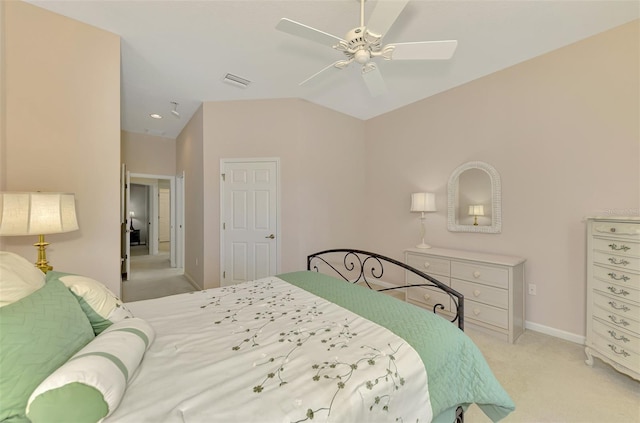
x,y
38,334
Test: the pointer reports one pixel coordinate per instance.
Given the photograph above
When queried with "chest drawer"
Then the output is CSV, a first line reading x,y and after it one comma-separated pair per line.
x,y
616,290
617,305
620,353
428,298
616,320
487,314
618,276
494,276
617,246
617,336
429,265
482,293
621,229
613,260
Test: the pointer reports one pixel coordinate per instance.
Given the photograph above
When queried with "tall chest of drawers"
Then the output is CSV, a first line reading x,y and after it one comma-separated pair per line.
x,y
492,285
613,293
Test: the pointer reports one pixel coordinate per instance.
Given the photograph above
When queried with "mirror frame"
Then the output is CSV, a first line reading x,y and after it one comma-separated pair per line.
x,y
496,199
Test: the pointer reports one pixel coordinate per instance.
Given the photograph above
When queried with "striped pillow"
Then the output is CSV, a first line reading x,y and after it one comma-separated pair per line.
x,y
91,384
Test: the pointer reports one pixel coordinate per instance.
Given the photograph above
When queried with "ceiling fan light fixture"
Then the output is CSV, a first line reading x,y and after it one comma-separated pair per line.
x,y
236,80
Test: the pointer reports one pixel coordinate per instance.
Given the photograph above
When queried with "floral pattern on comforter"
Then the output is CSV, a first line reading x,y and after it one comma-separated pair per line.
x,y
267,351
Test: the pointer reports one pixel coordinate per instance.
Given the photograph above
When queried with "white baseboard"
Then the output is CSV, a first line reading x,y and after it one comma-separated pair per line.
x,y
192,282
567,336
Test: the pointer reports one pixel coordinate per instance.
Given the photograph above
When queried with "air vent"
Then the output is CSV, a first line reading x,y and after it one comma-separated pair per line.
x,y
236,80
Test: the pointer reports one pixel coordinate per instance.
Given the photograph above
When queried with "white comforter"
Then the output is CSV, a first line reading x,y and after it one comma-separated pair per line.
x,y
267,351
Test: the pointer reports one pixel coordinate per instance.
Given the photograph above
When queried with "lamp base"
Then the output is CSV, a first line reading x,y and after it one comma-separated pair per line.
x,y
42,262
423,245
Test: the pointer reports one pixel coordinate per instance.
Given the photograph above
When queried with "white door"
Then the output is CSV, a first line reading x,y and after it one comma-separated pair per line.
x,y
249,214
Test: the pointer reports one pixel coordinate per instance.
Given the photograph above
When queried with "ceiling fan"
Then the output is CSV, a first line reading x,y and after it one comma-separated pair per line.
x,y
364,43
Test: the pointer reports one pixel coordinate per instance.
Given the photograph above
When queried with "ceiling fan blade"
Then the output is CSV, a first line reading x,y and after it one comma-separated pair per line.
x,y
384,15
425,50
304,31
340,64
373,79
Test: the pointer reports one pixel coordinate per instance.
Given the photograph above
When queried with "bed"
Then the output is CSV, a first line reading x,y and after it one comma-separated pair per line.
x,y
300,346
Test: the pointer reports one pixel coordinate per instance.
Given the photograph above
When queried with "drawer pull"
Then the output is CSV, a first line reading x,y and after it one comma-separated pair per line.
x,y
622,322
476,274
615,277
615,305
476,293
427,264
615,247
621,352
618,338
426,297
621,261
615,291
476,311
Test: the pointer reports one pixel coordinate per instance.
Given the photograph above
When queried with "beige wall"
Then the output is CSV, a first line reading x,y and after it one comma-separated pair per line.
x,y
62,98
322,173
189,147
563,132
148,154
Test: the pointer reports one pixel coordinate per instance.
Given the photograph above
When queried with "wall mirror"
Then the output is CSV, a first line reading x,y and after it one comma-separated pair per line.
x,y
474,199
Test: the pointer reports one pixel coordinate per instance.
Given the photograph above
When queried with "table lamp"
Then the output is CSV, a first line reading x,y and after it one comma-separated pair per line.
x,y
423,202
37,213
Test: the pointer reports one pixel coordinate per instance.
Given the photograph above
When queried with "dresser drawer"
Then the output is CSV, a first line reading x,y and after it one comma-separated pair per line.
x,y
617,246
485,313
616,290
488,275
620,353
617,305
617,261
428,297
621,229
616,320
429,265
617,336
618,276
496,297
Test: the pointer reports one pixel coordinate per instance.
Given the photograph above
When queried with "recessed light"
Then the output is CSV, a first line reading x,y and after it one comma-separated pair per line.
x,y
155,116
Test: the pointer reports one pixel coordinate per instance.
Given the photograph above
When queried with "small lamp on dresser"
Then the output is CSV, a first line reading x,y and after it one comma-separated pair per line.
x,y
475,211
37,213
423,202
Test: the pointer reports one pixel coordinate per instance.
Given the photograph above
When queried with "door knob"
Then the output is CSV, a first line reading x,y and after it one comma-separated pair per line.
x,y
270,236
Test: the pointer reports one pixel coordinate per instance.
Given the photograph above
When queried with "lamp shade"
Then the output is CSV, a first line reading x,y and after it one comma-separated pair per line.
x,y
37,213
423,202
476,210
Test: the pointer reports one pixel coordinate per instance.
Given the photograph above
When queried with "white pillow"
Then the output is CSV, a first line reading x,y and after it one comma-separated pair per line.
x,y
91,384
100,305
18,278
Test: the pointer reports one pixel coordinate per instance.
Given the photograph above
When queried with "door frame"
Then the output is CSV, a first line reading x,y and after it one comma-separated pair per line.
x,y
176,244
223,163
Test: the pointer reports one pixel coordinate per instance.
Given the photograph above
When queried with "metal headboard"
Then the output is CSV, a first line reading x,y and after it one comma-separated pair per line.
x,y
367,267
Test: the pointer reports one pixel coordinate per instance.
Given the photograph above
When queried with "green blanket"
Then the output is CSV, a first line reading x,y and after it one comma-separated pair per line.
x,y
457,372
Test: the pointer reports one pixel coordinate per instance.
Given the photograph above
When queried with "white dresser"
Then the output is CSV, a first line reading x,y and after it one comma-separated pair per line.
x,y
492,285
613,293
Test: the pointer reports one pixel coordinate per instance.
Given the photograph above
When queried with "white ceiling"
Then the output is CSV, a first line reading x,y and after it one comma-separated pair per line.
x,y
180,50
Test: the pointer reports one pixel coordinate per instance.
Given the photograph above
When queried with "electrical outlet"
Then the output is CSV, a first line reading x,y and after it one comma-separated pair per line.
x,y
197,264
532,289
